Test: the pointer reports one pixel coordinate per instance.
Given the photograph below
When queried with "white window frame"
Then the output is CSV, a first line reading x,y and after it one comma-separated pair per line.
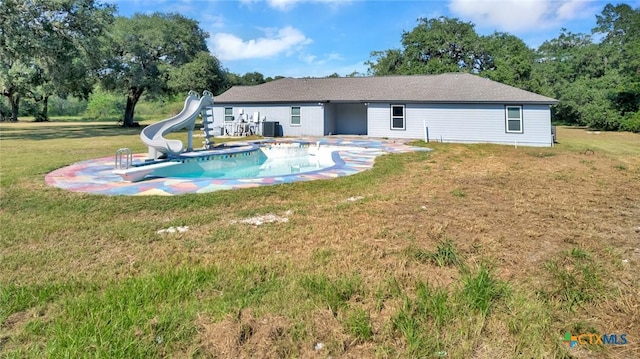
x,y
228,117
403,117
299,116
507,119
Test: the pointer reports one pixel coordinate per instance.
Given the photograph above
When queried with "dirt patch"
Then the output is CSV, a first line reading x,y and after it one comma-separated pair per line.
x,y
14,324
245,336
16,319
266,218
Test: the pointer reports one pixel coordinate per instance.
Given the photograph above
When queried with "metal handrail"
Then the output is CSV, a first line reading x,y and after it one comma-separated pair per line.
x,y
128,158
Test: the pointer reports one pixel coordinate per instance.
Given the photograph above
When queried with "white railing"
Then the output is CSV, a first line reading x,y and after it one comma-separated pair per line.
x,y
124,158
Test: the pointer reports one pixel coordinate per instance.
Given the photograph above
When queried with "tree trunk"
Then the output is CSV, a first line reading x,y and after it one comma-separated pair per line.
x,y
132,100
44,115
14,100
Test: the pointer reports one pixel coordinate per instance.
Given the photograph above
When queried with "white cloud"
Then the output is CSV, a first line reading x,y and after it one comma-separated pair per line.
x,y
334,56
570,10
285,5
520,15
314,60
230,47
212,21
308,58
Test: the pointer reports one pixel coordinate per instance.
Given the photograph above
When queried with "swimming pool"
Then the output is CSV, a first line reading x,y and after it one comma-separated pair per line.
x,y
96,176
267,160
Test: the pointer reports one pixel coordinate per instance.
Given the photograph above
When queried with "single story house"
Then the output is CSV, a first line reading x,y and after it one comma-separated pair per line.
x,y
452,107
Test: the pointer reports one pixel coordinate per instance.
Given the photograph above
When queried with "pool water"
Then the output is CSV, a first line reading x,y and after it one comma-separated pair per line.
x,y
265,162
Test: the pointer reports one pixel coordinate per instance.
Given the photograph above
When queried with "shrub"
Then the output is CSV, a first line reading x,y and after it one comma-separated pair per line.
x,y
105,106
631,122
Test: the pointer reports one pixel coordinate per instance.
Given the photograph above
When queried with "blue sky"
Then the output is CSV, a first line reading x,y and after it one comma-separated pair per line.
x,y
299,38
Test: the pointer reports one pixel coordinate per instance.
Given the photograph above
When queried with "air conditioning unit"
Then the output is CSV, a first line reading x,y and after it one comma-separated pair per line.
x,y
270,129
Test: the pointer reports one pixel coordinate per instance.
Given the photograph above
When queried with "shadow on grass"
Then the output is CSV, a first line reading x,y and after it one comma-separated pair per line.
x,y
67,132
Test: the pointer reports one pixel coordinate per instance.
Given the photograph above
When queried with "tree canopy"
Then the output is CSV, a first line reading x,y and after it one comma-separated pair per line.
x,y
435,46
49,47
145,50
204,72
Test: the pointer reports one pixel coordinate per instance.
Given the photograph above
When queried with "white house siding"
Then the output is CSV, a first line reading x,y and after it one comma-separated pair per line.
x,y
311,122
464,123
351,119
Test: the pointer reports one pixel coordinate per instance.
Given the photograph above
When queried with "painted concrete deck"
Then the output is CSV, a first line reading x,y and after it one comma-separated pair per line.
x,y
96,176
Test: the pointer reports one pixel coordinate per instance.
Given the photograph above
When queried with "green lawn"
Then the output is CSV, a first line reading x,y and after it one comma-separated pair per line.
x,y
478,251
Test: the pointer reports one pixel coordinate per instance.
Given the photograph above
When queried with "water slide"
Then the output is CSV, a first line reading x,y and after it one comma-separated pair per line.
x,y
153,135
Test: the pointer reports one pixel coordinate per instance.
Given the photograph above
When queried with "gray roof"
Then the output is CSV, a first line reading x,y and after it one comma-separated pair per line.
x,y
444,88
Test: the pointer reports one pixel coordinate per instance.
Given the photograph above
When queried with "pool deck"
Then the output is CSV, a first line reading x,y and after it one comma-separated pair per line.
x,y
96,176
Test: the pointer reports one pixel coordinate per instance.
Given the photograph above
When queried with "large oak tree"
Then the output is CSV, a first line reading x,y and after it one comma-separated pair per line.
x,y
435,46
49,47
145,50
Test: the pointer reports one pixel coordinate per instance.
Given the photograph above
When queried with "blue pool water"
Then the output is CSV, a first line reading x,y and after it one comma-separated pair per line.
x,y
264,162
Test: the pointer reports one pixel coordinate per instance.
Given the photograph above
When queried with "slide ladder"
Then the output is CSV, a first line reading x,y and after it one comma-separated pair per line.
x,y
207,127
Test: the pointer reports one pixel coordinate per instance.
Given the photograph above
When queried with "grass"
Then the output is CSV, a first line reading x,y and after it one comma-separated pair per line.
x,y
426,322
577,279
445,254
358,324
480,290
494,251
335,294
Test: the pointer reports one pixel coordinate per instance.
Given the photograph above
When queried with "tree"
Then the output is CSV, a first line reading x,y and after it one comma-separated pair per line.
x,y
598,84
434,46
203,73
248,79
355,74
449,45
567,68
387,62
620,26
509,59
17,50
269,79
252,78
146,49
49,47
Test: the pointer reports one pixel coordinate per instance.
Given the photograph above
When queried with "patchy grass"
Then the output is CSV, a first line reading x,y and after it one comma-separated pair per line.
x,y
445,254
358,324
577,279
481,289
478,251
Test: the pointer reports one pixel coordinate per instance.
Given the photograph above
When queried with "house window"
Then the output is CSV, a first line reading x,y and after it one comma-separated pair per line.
x,y
397,117
295,116
513,116
228,114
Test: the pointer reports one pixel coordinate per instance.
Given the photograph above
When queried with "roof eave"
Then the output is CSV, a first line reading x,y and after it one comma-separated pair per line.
x,y
514,102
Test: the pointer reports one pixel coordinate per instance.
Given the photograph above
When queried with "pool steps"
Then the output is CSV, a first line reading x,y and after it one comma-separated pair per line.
x,y
138,173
